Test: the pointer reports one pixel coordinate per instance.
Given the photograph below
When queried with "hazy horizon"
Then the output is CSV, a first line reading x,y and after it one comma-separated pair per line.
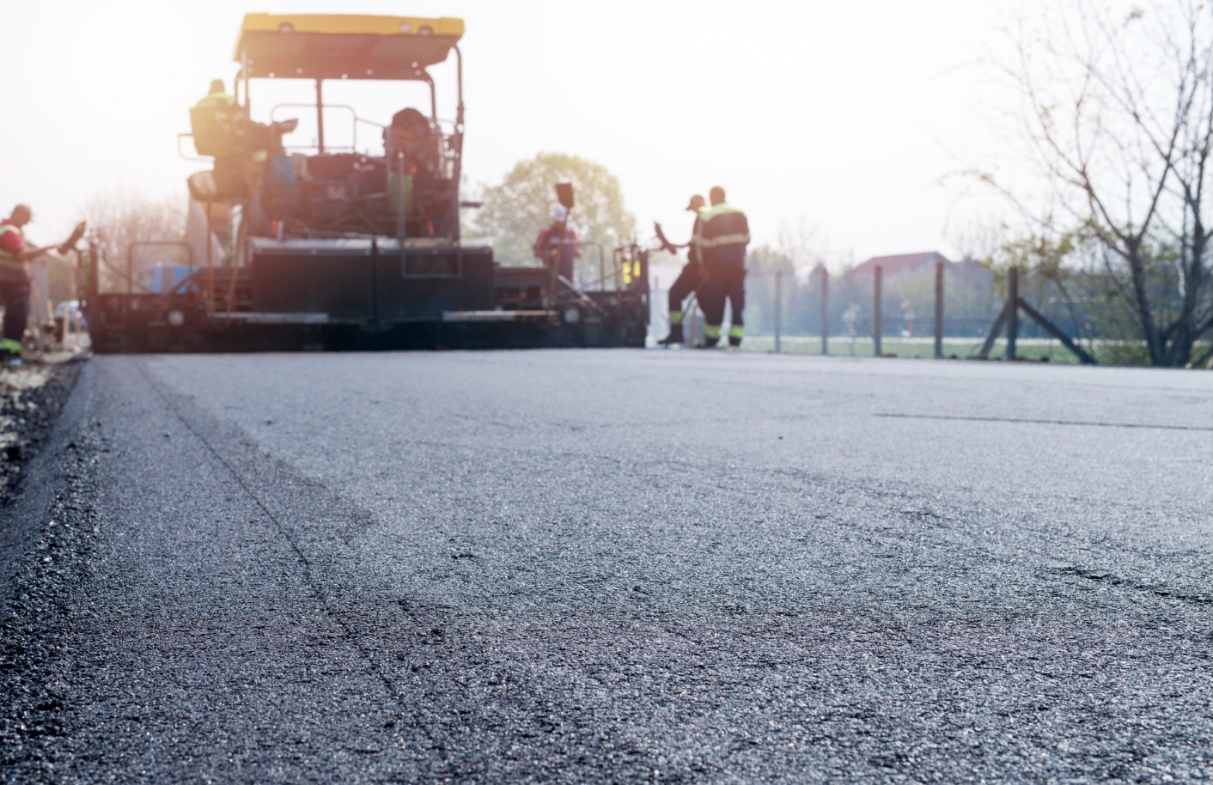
x,y
844,117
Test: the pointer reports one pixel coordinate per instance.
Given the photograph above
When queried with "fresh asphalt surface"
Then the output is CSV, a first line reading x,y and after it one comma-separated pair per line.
x,y
624,565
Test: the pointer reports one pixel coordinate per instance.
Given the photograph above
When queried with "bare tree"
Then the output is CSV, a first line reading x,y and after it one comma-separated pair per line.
x,y
122,218
808,249
1117,115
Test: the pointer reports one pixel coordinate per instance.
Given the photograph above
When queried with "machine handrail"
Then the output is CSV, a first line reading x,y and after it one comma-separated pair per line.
x,y
353,113
181,153
130,257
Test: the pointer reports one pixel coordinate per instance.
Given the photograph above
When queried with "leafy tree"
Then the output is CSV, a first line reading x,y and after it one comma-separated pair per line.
x,y
520,206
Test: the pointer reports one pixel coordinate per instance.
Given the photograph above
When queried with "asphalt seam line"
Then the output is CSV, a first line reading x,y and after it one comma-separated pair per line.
x,y
1143,426
313,585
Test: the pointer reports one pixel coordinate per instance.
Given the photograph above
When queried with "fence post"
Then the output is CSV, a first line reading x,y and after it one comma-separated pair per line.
x,y
825,311
877,325
1012,311
778,306
939,310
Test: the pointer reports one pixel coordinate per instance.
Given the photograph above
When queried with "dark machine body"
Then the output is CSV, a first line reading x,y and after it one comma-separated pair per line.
x,y
357,295
336,250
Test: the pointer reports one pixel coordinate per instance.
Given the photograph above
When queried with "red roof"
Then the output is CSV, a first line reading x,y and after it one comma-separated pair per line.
x,y
900,263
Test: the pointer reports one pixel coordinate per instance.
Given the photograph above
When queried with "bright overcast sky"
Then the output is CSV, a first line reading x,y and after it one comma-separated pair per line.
x,y
845,115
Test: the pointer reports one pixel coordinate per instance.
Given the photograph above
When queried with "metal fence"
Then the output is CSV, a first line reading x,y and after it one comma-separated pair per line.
x,y
929,313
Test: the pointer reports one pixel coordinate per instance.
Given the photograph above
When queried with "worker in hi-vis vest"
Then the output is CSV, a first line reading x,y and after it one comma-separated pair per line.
x,y
723,236
216,122
689,279
15,276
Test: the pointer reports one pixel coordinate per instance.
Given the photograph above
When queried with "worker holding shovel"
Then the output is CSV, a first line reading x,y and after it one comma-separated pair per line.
x,y
15,276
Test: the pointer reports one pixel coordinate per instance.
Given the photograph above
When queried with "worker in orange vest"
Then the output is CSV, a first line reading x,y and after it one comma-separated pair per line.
x,y
15,276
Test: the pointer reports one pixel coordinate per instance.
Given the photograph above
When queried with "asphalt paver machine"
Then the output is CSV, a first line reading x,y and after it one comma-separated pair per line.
x,y
332,248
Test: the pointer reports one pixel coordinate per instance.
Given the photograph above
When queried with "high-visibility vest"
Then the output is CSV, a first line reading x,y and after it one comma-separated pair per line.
x,y
723,235
223,108
222,100
7,260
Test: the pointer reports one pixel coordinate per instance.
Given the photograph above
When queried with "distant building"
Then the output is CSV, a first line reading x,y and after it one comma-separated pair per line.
x,y
908,288
971,266
900,264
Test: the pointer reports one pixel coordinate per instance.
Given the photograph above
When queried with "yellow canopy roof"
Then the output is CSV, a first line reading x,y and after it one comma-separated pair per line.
x,y
344,46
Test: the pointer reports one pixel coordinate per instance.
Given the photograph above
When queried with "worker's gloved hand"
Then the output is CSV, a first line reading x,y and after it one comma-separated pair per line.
x,y
665,244
71,241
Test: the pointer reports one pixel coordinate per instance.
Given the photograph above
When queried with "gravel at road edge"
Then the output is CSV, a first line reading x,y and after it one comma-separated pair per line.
x,y
45,534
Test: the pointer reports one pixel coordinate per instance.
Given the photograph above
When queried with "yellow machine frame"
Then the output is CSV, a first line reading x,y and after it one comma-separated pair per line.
x,y
343,46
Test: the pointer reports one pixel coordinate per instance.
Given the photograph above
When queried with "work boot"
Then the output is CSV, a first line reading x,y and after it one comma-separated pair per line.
x,y
674,337
708,343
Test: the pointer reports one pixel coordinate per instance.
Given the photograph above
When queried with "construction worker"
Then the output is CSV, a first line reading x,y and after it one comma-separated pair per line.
x,y
215,122
689,279
558,244
15,278
723,237
239,147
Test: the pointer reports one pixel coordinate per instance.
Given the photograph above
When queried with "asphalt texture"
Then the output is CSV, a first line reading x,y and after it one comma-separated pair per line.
x,y
616,566
30,398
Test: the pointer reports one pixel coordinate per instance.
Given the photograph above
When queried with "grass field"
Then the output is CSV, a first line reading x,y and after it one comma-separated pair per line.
x,y
959,348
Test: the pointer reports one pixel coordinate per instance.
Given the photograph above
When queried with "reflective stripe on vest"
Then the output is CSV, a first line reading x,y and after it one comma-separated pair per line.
x,y
218,99
7,260
725,234
708,213
720,222
224,110
726,239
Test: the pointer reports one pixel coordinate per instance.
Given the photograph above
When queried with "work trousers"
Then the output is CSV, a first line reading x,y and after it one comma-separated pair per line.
x,y
686,283
724,282
562,257
15,294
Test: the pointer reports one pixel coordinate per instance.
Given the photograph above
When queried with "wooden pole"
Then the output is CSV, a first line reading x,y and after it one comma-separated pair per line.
x,y
1053,330
778,307
994,330
825,311
877,316
1012,311
939,310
